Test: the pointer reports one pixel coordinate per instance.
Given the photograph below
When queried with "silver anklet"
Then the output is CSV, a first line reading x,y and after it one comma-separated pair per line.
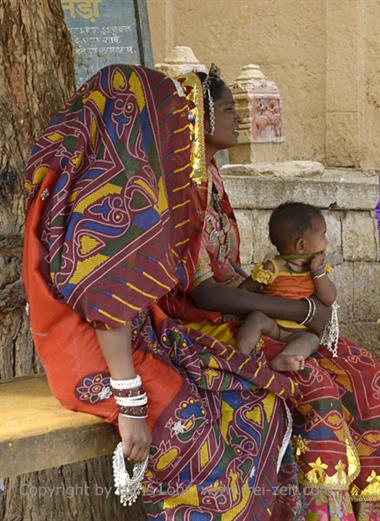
x,y
128,488
330,335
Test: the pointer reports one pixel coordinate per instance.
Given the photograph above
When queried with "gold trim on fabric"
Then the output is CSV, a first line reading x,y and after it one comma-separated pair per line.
x,y
370,493
192,87
342,478
300,445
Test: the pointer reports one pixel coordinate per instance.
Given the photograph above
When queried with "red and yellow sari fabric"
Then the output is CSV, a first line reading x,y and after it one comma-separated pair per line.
x,y
336,421
114,225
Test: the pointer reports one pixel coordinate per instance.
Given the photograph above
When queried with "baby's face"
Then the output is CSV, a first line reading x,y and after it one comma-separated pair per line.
x,y
315,240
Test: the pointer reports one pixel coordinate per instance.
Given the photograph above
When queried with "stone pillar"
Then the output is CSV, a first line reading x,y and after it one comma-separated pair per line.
x,y
345,83
261,129
180,60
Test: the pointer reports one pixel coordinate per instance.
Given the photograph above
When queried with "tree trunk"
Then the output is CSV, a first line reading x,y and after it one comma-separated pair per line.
x,y
36,77
82,491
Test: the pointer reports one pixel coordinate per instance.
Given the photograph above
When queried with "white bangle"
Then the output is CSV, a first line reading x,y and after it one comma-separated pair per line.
x,y
122,385
310,312
133,401
134,417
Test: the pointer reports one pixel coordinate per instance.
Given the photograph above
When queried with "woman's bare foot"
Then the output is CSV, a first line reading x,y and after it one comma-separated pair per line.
x,y
287,362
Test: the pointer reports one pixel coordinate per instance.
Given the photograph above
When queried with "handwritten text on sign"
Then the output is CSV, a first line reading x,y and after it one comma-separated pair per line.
x,y
103,32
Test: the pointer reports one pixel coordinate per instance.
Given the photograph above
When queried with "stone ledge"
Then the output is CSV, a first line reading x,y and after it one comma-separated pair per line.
x,y
283,169
365,334
37,433
334,189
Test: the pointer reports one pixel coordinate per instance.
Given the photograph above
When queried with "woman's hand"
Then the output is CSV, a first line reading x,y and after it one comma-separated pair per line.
x,y
321,317
136,438
117,350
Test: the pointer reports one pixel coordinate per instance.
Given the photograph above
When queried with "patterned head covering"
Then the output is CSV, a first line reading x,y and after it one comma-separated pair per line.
x,y
114,171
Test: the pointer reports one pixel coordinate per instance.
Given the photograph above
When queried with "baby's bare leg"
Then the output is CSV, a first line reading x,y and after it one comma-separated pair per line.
x,y
299,346
255,325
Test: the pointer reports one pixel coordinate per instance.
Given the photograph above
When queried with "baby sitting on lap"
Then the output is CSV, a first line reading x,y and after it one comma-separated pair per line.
x,y
299,233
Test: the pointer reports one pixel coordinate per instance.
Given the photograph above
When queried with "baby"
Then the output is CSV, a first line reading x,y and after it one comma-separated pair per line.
x,y
299,233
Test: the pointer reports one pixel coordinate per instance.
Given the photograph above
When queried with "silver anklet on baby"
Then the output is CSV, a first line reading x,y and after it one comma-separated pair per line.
x,y
128,488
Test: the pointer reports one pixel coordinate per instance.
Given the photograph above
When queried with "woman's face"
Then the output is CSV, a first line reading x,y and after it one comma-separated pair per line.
x,y
226,122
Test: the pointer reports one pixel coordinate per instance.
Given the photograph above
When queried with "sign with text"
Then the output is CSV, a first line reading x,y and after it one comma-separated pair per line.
x,y
106,32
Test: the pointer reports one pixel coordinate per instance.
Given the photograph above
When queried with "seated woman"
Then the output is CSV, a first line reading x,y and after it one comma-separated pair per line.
x,y
131,253
337,421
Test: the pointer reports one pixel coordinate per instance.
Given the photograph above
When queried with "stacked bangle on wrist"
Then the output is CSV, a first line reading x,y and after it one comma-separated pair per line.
x,y
310,312
134,412
127,393
317,274
130,397
131,383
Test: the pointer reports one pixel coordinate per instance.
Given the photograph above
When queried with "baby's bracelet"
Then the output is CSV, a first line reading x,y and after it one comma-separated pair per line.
x,y
317,274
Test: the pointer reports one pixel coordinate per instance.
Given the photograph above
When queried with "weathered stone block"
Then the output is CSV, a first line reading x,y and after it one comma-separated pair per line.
x,y
356,195
365,334
337,189
262,247
283,169
360,242
246,226
334,232
342,65
342,276
366,279
343,139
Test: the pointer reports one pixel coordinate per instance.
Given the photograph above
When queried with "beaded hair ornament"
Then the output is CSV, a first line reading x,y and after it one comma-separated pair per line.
x,y
213,73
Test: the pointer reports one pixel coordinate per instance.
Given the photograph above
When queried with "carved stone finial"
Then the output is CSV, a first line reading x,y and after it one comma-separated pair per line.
x,y
250,72
180,60
259,104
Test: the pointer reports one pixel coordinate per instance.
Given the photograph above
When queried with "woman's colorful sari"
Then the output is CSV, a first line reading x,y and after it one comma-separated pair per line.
x,y
114,224
336,429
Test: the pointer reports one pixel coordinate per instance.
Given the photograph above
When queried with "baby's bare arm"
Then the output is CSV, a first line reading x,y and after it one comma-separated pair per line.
x,y
325,289
250,285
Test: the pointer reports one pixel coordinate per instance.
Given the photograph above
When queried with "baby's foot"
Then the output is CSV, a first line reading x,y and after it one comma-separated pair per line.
x,y
284,362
